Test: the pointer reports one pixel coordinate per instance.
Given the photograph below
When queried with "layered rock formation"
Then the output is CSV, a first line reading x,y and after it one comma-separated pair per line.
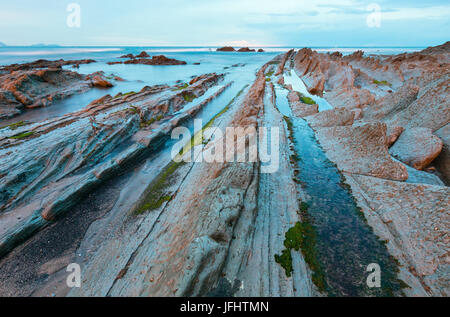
x,y
40,83
76,152
42,63
142,224
402,103
417,147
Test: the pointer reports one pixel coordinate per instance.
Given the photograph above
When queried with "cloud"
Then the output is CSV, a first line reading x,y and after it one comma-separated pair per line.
x,y
220,22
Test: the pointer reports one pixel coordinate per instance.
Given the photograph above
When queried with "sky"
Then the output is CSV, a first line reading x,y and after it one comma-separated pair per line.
x,y
294,23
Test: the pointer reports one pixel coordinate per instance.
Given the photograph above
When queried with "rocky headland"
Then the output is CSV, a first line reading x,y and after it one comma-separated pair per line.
x,y
40,83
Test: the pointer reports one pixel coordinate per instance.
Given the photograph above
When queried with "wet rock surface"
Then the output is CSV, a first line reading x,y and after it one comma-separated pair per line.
x,y
42,63
331,118
406,207
417,147
40,83
414,222
99,187
361,150
77,152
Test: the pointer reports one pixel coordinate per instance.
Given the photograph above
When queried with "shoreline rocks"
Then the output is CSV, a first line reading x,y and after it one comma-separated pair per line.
x,y
245,50
42,63
36,87
226,49
361,150
417,147
241,50
155,60
331,118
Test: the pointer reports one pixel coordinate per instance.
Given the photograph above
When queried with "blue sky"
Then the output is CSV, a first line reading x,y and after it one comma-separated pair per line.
x,y
226,22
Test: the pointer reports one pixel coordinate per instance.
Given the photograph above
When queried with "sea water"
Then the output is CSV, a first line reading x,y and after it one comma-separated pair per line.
x,y
238,67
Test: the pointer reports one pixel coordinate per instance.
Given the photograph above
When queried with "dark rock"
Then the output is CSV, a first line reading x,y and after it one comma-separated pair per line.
x,y
246,50
226,49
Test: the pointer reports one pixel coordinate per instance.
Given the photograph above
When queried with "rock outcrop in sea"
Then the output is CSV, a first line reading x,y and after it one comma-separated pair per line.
x,y
40,83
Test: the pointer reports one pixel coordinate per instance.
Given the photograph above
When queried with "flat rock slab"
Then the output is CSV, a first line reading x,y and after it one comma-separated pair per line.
x,y
300,109
331,118
414,220
417,147
361,150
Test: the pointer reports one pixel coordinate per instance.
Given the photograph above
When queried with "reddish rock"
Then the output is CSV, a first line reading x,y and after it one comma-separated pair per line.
x,y
246,50
282,63
42,63
443,160
417,147
300,109
331,118
38,88
155,60
393,134
99,82
127,56
361,150
280,80
143,54
226,49
261,50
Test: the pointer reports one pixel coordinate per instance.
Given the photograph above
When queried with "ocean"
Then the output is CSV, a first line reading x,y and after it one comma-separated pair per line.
x,y
238,67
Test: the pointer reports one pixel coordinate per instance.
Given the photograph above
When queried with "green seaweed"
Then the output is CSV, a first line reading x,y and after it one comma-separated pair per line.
x,y
189,96
303,237
14,126
144,124
22,135
382,83
156,192
285,260
307,100
180,87
304,207
269,74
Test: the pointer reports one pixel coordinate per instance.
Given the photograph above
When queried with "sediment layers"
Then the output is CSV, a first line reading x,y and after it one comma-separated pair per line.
x,y
403,113
40,83
68,156
226,228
